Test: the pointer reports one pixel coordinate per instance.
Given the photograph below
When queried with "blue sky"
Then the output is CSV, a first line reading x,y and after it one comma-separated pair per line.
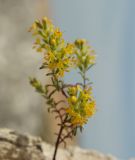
x,y
109,26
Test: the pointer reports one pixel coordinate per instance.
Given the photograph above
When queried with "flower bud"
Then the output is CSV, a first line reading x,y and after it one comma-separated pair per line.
x,y
53,42
73,99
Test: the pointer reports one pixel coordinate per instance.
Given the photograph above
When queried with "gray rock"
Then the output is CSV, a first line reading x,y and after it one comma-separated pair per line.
x,y
16,146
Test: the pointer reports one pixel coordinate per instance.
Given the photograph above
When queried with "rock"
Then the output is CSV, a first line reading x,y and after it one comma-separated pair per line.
x,y
16,146
18,62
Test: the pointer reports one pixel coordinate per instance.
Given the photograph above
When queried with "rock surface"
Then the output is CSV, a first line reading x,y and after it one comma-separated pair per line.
x,y
16,146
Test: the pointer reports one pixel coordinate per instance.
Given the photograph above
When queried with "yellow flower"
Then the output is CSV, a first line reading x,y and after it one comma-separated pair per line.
x,y
57,53
69,48
72,91
59,57
47,21
53,42
38,41
57,33
85,96
72,99
79,120
76,119
39,49
91,59
81,105
90,108
84,54
80,42
71,112
34,26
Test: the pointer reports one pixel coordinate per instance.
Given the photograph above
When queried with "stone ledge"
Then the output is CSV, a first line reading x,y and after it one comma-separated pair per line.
x,y
16,146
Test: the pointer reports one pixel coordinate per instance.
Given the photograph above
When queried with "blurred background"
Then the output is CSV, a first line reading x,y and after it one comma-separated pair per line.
x,y
109,26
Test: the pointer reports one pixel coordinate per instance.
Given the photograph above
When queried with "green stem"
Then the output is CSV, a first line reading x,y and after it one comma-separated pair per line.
x,y
84,79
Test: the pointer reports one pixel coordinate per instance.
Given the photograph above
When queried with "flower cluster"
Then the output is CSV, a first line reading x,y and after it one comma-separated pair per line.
x,y
81,105
59,57
57,53
85,54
